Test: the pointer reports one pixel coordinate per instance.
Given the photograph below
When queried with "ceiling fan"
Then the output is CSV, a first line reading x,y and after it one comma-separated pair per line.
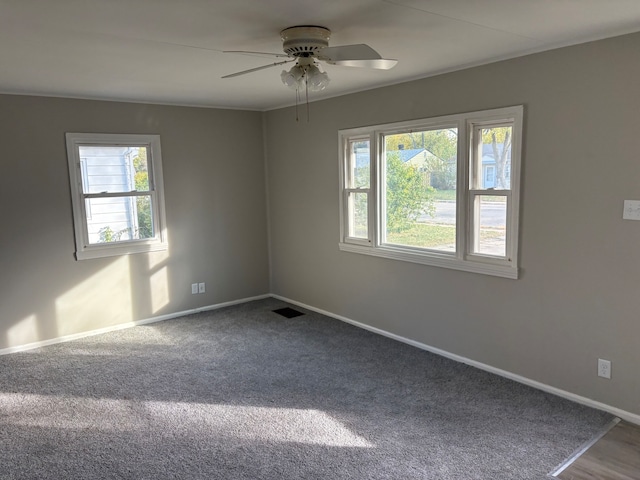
x,y
307,45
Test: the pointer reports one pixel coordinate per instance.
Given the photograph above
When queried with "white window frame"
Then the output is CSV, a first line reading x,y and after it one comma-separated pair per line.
x,y
464,258
86,250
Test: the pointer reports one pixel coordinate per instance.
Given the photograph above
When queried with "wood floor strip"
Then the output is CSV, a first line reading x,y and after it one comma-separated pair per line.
x,y
615,456
569,461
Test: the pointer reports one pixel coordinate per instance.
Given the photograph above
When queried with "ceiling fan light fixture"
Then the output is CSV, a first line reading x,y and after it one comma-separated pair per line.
x,y
316,79
303,76
294,78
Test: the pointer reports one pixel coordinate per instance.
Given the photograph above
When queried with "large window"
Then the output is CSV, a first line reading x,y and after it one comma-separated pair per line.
x,y
117,195
440,191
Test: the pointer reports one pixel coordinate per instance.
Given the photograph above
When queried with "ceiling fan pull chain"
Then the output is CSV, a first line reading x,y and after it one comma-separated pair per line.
x,y
297,102
306,87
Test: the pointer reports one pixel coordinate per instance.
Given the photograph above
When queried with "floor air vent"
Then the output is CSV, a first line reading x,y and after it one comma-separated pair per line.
x,y
288,312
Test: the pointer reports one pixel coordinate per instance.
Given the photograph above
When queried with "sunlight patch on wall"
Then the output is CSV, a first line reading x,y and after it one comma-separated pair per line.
x,y
100,300
157,258
159,284
259,424
23,332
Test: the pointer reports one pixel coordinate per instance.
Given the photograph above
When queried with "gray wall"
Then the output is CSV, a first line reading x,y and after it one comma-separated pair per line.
x,y
578,297
213,166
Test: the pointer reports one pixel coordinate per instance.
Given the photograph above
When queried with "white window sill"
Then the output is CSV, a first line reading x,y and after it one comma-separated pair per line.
x,y
488,266
122,248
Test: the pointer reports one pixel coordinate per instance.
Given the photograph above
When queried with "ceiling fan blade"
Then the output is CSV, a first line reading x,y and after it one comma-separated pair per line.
x,y
378,63
237,74
260,54
359,55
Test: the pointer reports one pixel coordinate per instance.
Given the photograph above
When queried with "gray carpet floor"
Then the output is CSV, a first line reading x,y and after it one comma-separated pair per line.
x,y
243,393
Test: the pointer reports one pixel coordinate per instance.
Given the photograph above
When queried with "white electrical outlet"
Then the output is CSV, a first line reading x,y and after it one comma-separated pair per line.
x,y
631,210
201,287
194,288
604,368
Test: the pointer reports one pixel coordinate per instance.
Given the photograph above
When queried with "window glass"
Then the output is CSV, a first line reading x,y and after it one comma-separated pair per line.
x,y
491,225
359,165
358,213
118,219
420,169
494,158
114,169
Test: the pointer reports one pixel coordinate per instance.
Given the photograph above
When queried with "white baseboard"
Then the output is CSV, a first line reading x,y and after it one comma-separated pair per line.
x,y
121,326
628,416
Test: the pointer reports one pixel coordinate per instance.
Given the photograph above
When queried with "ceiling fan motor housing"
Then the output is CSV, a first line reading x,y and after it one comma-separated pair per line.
x,y
305,40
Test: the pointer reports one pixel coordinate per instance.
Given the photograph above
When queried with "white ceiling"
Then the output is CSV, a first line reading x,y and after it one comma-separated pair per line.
x,y
170,51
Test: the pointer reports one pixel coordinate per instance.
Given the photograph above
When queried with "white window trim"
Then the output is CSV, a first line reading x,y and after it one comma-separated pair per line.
x,y
462,259
85,250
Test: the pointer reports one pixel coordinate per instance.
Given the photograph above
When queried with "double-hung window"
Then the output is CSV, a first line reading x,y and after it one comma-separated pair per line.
x,y
439,191
117,194
357,190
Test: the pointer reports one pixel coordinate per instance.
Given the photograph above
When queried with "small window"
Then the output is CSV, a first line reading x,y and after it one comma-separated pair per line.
x,y
439,191
117,194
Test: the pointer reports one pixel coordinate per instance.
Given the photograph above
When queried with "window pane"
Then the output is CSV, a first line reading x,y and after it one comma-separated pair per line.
x,y
420,194
358,215
117,219
433,237
359,168
494,164
491,225
114,169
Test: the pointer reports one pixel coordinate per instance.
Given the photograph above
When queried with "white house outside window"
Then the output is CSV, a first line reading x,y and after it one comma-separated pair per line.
x,y
117,194
439,191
